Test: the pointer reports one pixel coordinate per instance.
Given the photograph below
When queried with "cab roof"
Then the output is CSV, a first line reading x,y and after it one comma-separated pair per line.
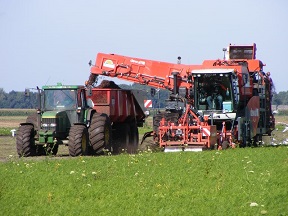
x,y
60,86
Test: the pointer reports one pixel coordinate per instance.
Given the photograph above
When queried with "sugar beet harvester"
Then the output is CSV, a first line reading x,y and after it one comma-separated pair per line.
x,y
197,116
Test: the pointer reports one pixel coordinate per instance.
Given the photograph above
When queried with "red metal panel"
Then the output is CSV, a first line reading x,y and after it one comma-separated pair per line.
x,y
120,105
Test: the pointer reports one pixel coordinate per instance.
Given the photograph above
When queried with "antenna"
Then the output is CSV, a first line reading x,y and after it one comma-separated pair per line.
x,y
224,50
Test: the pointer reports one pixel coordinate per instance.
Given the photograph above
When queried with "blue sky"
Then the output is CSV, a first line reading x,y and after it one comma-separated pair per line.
x,y
45,42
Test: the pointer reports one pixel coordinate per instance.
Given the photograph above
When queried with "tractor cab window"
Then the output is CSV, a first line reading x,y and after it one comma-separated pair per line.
x,y
213,92
60,99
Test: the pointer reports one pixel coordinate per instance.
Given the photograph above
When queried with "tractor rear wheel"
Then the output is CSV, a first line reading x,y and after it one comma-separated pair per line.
x,y
78,140
25,142
100,132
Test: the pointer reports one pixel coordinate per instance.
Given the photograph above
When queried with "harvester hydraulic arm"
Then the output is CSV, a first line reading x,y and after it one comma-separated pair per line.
x,y
147,72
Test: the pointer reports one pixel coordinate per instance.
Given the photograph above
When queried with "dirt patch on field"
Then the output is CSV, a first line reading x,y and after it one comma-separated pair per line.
x,y
11,121
8,150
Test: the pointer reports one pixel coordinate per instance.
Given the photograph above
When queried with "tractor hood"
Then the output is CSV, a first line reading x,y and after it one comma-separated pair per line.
x,y
55,120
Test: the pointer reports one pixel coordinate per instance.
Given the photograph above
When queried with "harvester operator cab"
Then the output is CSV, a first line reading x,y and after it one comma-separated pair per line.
x,y
215,98
213,92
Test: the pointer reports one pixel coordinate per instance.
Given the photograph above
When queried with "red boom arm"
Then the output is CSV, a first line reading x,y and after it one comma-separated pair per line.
x,y
148,72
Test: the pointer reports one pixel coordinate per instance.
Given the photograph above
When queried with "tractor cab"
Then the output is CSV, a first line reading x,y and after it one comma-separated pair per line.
x,y
60,99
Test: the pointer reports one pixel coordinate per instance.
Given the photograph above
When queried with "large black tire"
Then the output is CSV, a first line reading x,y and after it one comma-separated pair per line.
x,y
78,140
173,117
169,117
100,132
156,121
25,142
134,139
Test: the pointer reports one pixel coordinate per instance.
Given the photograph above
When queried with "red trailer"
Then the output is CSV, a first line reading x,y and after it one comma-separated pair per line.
x,y
124,112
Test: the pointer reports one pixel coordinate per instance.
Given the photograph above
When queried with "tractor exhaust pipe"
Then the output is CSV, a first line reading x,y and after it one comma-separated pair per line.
x,y
175,83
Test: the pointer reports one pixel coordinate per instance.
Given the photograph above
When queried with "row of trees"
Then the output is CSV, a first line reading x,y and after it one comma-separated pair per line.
x,y
16,99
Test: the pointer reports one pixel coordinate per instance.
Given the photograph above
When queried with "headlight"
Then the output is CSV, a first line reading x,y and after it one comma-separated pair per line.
x,y
48,126
53,125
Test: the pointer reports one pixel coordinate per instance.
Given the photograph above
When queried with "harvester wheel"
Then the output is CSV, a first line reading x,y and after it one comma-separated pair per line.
x,y
78,140
156,121
133,143
25,142
172,117
100,132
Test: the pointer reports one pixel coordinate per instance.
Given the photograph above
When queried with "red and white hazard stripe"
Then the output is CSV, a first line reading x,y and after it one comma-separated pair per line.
x,y
147,103
205,132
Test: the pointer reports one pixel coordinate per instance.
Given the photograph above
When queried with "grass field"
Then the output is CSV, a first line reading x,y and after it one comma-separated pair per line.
x,y
250,181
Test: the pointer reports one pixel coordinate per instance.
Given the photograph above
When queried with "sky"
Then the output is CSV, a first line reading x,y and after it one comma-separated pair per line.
x,y
46,42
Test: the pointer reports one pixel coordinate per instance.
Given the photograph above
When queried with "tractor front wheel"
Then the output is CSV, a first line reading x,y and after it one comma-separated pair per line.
x,y
25,142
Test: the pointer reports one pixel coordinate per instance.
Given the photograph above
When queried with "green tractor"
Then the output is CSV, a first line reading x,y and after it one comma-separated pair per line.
x,y
64,116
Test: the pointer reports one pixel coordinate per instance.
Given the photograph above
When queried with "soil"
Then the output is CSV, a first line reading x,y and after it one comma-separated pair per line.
x,y
108,84
8,150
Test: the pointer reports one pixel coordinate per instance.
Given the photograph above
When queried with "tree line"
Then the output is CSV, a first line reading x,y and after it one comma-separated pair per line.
x,y
17,99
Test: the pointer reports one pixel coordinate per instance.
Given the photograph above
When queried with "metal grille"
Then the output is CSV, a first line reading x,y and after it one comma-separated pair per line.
x,y
48,121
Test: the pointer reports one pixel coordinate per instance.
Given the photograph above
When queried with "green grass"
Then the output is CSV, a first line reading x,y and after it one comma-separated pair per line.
x,y
6,131
186,183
